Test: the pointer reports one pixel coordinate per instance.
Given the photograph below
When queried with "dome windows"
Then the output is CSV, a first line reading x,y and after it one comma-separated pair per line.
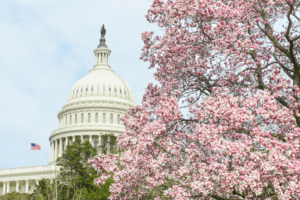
x,y
111,118
89,117
82,115
75,118
104,118
96,117
70,119
118,119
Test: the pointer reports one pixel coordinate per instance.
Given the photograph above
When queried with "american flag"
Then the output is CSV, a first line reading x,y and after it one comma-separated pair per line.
x,y
35,146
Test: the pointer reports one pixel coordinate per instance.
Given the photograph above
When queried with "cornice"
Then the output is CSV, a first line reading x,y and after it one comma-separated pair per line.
x,y
89,128
92,104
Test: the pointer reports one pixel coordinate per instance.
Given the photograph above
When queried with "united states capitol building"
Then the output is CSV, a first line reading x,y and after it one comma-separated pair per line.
x,y
94,107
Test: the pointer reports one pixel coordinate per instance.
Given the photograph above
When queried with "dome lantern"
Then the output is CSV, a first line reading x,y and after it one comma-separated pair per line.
x,y
102,52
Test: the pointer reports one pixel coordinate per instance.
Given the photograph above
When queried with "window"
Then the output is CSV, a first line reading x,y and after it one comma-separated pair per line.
x,y
82,117
103,87
86,89
96,117
104,118
115,90
118,119
19,188
101,57
120,91
77,91
92,89
29,187
125,92
95,143
66,121
98,88
81,89
70,119
111,118
75,118
89,117
109,88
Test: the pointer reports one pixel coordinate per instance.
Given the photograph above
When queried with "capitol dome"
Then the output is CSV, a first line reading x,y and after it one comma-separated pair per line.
x,y
94,106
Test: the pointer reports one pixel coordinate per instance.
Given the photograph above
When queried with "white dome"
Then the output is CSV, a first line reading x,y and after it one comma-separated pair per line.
x,y
95,105
101,84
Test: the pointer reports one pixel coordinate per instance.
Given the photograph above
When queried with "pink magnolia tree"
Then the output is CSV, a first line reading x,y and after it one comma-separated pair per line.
x,y
224,121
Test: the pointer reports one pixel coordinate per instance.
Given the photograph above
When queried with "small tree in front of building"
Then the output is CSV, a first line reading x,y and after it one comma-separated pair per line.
x,y
76,176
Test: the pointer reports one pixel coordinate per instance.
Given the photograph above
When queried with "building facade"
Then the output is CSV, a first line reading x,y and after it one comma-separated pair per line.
x,y
94,107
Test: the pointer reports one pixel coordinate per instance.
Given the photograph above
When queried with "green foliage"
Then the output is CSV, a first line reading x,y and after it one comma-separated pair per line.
x,y
109,144
76,177
16,196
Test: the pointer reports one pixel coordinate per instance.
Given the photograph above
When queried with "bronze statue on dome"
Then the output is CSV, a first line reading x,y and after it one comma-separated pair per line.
x,y
103,30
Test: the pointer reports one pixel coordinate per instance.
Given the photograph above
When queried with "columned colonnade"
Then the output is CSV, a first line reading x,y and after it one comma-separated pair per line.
x,y
59,145
23,186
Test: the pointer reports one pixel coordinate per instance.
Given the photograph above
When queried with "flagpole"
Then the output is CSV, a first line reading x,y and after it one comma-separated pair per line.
x,y
30,156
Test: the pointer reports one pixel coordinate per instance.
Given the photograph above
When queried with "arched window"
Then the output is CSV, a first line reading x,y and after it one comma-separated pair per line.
x,y
81,89
125,92
109,89
104,118
86,89
96,117
89,117
82,117
92,89
111,118
120,91
75,118
70,119
118,119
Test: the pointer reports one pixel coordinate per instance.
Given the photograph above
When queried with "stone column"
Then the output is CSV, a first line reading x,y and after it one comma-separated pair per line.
x,y
51,151
4,191
17,186
8,182
90,137
96,55
74,138
56,150
26,186
60,147
37,181
81,137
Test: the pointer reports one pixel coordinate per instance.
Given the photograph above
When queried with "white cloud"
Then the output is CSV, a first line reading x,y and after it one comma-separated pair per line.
x,y
46,46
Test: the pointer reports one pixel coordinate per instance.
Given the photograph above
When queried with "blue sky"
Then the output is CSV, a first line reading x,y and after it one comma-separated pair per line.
x,y
46,46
